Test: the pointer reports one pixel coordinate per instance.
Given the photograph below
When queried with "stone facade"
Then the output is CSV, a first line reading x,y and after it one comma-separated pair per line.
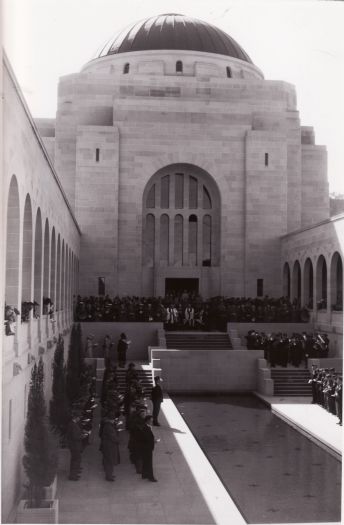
x,y
40,258
115,130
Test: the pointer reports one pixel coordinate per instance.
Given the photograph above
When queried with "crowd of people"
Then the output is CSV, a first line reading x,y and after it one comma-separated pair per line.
x,y
129,409
188,310
327,390
280,349
11,313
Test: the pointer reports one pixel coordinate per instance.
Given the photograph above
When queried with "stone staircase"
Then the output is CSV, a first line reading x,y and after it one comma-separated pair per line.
x,y
291,382
144,372
198,341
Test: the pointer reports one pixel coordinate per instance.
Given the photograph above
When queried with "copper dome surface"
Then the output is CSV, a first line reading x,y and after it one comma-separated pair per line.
x,y
174,32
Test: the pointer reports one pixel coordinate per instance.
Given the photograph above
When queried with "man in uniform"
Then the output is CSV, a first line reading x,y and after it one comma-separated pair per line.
x,y
74,441
157,399
147,446
109,446
339,399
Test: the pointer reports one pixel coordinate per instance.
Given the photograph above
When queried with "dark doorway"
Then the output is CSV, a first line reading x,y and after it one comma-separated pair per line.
x,y
178,286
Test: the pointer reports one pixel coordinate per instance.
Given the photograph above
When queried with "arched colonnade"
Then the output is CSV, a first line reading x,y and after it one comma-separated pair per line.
x,y
40,264
315,282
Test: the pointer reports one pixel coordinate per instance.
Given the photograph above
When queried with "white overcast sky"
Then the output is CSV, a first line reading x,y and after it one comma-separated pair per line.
x,y
301,42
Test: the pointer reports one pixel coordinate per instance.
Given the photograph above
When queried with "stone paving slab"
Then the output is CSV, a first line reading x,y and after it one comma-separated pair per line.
x,y
188,490
312,420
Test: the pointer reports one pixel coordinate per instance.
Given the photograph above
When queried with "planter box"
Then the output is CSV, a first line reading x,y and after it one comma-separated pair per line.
x,y
46,514
50,492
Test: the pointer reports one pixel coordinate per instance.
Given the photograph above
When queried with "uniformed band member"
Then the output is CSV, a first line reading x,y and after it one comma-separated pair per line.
x,y
74,441
147,446
327,390
157,399
135,425
109,446
338,396
122,347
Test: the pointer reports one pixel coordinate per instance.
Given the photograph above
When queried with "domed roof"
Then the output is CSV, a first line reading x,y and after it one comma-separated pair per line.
x,y
173,31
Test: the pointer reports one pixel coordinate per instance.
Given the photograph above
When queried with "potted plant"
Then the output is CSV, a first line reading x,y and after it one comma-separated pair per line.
x,y
40,458
75,364
59,407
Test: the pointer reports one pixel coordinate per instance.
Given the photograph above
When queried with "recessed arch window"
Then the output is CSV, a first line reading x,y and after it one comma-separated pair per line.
x,y
206,255
308,283
229,72
193,192
206,199
164,238
337,282
27,251
179,66
187,233
193,232
151,197
296,282
126,68
12,250
286,280
321,281
38,261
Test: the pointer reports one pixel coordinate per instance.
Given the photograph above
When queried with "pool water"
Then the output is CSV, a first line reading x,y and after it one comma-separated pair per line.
x,y
272,472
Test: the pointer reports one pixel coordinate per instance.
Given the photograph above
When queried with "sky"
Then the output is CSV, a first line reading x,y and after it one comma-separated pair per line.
x,y
297,41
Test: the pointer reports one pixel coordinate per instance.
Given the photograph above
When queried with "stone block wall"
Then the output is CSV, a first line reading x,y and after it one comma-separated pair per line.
x,y
201,371
96,206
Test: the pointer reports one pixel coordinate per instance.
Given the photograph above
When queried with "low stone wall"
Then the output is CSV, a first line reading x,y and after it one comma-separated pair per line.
x,y
214,371
141,336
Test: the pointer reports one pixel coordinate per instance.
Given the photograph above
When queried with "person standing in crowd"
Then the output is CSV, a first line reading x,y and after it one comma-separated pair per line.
x,y
89,346
107,347
109,446
157,399
189,316
74,442
338,393
135,426
131,374
147,446
122,347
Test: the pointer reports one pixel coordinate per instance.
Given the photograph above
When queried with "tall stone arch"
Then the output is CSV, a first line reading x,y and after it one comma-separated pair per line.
x,y
26,294
181,230
12,245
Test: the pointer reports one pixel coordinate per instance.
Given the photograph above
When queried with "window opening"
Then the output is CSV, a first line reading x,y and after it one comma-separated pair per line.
x,y
206,199
179,190
165,192
179,66
193,190
229,72
260,283
266,159
101,285
151,197
126,68
97,154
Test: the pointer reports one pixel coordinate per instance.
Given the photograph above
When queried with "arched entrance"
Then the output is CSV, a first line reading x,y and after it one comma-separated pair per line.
x,y
181,231
286,280
12,245
337,282
308,283
321,279
296,294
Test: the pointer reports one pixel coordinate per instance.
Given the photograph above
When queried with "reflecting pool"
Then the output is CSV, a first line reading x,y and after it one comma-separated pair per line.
x,y
273,473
